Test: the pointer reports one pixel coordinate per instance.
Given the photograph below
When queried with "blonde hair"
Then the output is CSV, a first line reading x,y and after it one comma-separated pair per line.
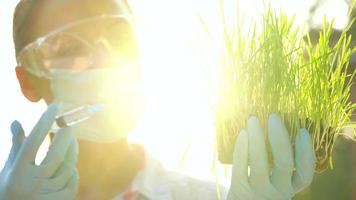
x,y
21,23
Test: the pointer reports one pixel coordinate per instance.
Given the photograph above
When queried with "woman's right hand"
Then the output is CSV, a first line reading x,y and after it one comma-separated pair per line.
x,y
55,178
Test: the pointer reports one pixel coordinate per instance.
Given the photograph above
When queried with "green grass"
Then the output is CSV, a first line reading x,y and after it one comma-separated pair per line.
x,y
274,70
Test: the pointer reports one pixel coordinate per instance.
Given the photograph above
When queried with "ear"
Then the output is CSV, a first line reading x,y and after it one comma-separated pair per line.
x,y
27,84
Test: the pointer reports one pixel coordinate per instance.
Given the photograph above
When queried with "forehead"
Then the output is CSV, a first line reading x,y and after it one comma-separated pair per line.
x,y
53,14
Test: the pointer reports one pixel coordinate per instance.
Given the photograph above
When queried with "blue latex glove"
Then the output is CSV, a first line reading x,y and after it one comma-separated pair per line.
x,y
283,182
55,178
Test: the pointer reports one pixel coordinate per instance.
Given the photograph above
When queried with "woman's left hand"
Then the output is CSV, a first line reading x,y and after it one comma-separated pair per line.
x,y
290,174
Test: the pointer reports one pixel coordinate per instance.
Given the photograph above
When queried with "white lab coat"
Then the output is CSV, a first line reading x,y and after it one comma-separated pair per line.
x,y
156,183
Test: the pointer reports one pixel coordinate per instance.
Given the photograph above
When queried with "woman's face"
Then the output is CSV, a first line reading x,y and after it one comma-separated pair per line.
x,y
48,16
51,15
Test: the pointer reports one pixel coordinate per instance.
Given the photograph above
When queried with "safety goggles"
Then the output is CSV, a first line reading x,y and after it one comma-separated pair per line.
x,y
101,41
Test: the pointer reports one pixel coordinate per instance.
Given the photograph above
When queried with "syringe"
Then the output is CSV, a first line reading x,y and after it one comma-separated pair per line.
x,y
76,115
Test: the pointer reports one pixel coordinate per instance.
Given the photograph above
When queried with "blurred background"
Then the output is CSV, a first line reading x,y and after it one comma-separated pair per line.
x,y
178,127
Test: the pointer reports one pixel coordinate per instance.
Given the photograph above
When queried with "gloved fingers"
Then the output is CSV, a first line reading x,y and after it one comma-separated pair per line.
x,y
18,136
50,168
58,149
304,161
38,134
240,160
72,153
271,193
258,160
68,192
17,140
73,183
65,171
58,182
242,192
283,161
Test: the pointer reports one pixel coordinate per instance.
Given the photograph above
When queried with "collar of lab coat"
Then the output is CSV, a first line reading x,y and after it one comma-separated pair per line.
x,y
151,182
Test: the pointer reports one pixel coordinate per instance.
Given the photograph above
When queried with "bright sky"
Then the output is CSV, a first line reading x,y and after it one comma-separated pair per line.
x,y
13,105
180,115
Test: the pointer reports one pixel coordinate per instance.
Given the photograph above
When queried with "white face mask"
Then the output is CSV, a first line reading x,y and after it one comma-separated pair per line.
x,y
119,92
